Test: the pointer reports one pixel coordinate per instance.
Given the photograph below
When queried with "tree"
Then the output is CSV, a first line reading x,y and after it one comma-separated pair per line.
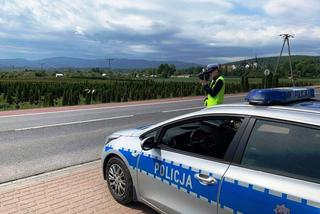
x,y
95,70
9,98
172,69
165,71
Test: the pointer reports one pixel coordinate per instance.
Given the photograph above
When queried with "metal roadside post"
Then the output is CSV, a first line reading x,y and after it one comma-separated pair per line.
x,y
266,74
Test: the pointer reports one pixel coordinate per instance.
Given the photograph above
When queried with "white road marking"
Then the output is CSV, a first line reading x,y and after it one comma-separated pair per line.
x,y
113,107
100,108
72,123
181,109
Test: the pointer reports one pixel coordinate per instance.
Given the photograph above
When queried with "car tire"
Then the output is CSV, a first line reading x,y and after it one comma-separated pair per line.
x,y
119,181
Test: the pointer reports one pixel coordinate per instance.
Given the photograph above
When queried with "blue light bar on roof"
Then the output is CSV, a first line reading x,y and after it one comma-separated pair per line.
x,y
273,96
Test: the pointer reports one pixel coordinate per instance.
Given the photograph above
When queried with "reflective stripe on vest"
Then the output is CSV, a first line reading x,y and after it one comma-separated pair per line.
x,y
218,99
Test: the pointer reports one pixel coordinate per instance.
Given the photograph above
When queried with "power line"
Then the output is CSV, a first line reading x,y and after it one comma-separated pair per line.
x,y
109,61
286,37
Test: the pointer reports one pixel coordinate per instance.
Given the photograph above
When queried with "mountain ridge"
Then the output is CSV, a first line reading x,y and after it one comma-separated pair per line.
x,y
73,62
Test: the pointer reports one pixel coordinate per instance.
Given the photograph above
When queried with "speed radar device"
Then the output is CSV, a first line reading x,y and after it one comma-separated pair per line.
x,y
205,73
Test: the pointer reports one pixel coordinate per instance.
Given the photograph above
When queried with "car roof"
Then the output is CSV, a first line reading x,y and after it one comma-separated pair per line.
x,y
307,112
303,112
311,105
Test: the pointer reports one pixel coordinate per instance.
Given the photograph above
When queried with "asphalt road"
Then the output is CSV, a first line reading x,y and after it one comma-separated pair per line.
x,y
31,144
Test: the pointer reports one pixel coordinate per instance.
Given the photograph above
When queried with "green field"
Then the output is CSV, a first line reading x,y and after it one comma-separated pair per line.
x,y
46,92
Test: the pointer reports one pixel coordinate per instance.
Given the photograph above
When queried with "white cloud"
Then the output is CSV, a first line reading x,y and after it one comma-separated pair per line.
x,y
129,4
79,30
149,27
250,3
227,59
293,9
315,33
142,48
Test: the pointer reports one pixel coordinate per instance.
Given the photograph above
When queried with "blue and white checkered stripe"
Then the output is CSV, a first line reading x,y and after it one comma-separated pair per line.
x,y
147,167
206,193
240,197
236,196
130,155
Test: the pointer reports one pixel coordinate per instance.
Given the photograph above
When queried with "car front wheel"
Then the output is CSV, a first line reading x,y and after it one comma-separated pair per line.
x,y
119,180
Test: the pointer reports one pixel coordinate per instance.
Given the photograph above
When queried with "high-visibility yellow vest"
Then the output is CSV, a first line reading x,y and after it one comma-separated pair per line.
x,y
218,99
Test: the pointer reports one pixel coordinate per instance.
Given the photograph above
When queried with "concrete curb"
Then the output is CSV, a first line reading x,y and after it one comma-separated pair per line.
x,y
27,181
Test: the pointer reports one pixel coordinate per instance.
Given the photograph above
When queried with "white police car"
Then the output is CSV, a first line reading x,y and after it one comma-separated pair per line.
x,y
237,158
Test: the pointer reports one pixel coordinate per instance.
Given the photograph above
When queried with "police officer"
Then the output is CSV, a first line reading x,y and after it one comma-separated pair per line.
x,y
216,88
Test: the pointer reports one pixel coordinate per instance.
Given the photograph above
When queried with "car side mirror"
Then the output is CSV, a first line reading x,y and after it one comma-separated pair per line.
x,y
148,143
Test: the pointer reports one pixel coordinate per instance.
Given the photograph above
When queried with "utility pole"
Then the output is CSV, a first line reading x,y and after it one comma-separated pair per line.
x,y
286,40
109,62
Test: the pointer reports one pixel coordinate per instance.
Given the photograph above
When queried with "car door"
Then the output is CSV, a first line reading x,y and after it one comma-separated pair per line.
x,y
276,170
183,174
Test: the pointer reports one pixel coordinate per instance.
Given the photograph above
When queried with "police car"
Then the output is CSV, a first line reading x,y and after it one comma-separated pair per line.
x,y
258,157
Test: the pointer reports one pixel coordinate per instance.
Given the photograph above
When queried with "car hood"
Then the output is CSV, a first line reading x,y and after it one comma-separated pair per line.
x,y
133,131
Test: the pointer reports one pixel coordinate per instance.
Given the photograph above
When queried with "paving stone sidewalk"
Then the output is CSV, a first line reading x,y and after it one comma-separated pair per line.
x,y
79,189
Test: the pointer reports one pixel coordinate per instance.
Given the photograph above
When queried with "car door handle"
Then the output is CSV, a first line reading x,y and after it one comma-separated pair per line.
x,y
205,179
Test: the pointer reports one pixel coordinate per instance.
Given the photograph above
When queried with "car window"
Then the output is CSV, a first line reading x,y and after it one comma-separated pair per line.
x,y
153,133
209,137
285,148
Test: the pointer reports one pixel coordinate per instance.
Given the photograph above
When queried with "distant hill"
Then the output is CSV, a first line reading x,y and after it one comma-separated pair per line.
x,y
273,60
69,62
302,66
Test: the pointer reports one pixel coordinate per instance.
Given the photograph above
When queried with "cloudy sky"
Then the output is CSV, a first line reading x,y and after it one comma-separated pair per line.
x,y
199,31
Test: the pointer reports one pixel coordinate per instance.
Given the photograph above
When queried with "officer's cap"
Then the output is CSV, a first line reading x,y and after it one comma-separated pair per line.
x,y
212,67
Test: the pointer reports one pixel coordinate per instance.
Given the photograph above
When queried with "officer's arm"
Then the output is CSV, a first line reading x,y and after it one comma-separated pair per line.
x,y
215,90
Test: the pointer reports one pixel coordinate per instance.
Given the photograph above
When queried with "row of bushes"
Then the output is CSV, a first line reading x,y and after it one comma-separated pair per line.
x,y
57,93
